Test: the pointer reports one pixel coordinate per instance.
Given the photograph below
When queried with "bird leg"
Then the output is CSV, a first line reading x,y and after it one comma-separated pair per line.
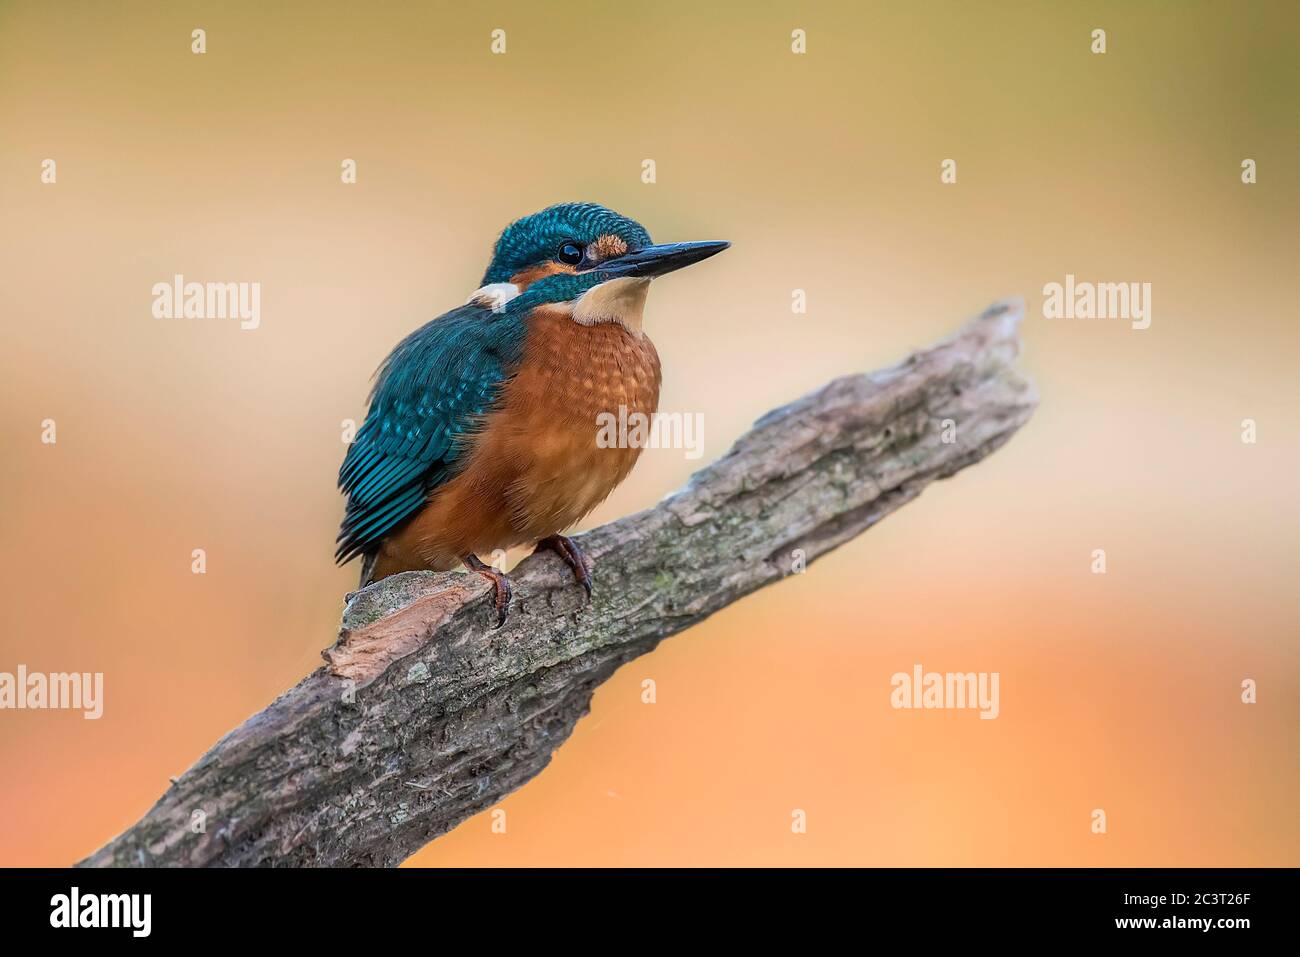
x,y
500,585
573,556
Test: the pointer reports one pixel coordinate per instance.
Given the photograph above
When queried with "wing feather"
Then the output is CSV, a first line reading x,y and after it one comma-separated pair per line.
x,y
429,395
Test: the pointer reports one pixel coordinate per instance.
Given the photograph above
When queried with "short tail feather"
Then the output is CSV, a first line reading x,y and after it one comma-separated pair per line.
x,y
368,561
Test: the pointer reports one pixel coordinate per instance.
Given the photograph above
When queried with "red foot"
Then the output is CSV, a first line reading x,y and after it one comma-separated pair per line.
x,y
500,585
573,556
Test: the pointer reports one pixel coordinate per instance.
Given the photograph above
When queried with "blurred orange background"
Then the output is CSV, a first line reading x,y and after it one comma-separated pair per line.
x,y
1118,691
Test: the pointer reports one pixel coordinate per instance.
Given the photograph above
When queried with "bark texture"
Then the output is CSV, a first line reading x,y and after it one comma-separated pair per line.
x,y
425,715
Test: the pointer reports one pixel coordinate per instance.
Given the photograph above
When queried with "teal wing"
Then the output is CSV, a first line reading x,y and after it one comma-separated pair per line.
x,y
429,393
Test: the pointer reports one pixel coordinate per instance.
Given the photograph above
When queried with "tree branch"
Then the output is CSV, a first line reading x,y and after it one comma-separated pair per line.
x,y
425,715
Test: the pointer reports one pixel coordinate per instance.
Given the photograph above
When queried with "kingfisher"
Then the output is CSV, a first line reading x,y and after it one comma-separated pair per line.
x,y
482,428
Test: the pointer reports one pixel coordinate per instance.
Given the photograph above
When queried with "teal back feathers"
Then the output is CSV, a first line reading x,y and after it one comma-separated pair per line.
x,y
430,392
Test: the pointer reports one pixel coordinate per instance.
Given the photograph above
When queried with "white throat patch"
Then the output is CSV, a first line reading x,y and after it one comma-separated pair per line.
x,y
616,300
494,295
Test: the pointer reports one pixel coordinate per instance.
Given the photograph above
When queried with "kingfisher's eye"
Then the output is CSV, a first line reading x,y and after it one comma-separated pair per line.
x,y
571,253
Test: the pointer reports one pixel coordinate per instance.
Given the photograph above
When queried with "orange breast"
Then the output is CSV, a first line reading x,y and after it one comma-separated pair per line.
x,y
537,466
571,378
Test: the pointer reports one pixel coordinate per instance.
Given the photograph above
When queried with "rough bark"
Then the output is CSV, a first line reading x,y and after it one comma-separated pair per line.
x,y
426,715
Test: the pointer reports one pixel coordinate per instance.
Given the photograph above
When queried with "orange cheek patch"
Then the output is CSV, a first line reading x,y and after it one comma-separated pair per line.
x,y
526,277
607,247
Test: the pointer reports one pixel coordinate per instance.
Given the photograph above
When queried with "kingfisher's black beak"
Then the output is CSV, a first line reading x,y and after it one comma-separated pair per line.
x,y
656,260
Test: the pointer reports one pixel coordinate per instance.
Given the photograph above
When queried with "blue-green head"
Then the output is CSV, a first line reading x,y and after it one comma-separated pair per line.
x,y
565,251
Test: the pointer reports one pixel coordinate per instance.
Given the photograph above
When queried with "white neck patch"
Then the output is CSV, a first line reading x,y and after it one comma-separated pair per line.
x,y
494,295
619,300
